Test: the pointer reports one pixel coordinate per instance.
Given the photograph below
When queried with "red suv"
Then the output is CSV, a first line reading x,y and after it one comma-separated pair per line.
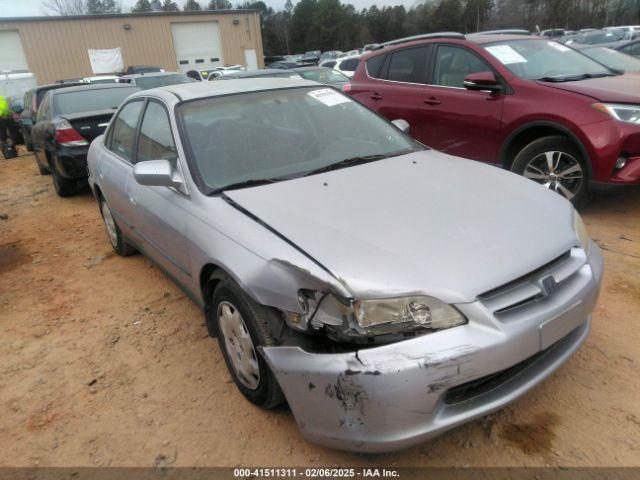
x,y
524,103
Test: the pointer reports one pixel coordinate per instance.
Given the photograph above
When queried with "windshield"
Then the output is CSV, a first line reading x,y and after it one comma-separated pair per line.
x,y
162,80
90,100
534,59
324,75
281,134
613,59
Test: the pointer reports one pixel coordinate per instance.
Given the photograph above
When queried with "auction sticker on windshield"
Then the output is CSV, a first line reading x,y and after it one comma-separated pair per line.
x,y
506,54
328,97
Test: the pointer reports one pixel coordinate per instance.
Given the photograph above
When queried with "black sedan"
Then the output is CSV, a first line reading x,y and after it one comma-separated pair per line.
x,y
68,120
30,104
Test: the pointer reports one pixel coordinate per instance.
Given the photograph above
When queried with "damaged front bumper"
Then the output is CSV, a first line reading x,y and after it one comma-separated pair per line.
x,y
395,396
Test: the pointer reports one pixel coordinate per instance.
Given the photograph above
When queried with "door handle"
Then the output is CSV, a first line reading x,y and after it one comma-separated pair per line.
x,y
375,96
432,101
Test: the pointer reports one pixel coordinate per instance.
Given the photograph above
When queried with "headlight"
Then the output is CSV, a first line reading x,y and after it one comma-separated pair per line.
x,y
581,231
623,113
406,313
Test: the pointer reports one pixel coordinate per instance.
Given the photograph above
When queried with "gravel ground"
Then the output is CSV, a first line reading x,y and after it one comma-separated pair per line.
x,y
106,363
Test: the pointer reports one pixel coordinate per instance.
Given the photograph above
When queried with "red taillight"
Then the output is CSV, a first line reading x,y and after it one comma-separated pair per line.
x,y
346,88
67,136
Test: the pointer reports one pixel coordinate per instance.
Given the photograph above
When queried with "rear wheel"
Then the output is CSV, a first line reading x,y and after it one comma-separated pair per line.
x,y
557,164
64,187
120,246
242,328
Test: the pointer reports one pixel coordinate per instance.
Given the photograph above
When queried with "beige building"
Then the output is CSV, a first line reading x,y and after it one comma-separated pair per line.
x,y
54,48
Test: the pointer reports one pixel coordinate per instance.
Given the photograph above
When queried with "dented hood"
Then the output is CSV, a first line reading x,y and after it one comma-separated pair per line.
x,y
423,223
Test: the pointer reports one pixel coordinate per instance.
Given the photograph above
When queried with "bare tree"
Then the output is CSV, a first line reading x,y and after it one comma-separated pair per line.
x,y
65,7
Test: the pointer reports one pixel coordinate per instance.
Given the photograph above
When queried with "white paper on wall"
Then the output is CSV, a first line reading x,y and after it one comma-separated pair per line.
x,y
106,60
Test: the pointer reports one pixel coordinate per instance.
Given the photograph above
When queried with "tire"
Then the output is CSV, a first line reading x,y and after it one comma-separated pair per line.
x,y
64,187
264,390
557,163
117,240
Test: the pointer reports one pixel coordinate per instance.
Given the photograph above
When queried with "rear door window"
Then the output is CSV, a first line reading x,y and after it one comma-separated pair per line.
x,y
409,65
123,130
374,66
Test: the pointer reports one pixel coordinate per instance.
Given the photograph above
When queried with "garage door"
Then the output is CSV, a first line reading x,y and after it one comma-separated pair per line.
x,y
11,54
197,45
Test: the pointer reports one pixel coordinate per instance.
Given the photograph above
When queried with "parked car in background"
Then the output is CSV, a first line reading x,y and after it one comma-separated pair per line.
x,y
284,65
200,75
631,47
68,120
554,33
265,72
328,63
101,79
133,69
614,59
155,79
310,58
347,65
30,104
599,37
330,54
324,75
479,98
73,80
379,333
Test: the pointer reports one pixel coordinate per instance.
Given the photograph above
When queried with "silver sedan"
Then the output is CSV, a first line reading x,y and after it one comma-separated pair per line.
x,y
386,291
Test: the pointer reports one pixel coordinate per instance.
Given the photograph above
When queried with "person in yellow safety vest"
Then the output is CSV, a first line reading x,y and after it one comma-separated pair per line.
x,y
5,119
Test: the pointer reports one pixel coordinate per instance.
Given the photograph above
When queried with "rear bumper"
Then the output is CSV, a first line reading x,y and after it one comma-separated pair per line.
x,y
71,162
395,396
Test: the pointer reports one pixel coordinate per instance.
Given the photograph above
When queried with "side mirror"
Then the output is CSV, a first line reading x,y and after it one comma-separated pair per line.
x,y
482,81
401,124
157,173
17,109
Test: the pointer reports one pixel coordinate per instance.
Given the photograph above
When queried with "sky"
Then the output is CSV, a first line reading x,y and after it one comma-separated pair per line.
x,y
19,8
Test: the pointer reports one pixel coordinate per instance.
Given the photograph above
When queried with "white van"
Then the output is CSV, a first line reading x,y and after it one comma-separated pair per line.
x,y
16,82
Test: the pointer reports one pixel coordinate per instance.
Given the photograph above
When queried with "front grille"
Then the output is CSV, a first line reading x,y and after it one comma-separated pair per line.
x,y
527,289
475,388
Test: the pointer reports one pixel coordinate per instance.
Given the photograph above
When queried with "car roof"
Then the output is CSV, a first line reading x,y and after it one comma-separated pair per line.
x,y
306,69
190,91
100,86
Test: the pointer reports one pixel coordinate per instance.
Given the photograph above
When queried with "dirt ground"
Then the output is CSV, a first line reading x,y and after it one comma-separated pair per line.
x,y
106,363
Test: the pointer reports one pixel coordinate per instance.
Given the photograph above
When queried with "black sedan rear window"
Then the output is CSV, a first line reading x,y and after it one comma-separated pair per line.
x,y
89,100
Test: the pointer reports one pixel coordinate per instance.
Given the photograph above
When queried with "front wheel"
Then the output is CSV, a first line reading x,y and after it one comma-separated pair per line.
x,y
242,328
557,164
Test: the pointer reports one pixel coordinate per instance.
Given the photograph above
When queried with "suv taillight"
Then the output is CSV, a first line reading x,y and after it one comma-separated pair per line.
x,y
67,136
346,88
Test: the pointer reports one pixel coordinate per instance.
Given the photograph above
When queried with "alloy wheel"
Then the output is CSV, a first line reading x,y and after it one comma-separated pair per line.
x,y
557,171
239,345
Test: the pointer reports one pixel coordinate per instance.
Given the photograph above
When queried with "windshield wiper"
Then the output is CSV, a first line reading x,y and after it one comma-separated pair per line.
x,y
253,182
349,162
575,78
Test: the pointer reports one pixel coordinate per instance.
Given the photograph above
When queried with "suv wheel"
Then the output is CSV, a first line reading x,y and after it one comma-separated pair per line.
x,y
120,246
556,163
242,328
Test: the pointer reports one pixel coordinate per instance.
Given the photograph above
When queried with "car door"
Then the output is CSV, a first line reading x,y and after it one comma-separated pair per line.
x,y
161,212
461,122
114,167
